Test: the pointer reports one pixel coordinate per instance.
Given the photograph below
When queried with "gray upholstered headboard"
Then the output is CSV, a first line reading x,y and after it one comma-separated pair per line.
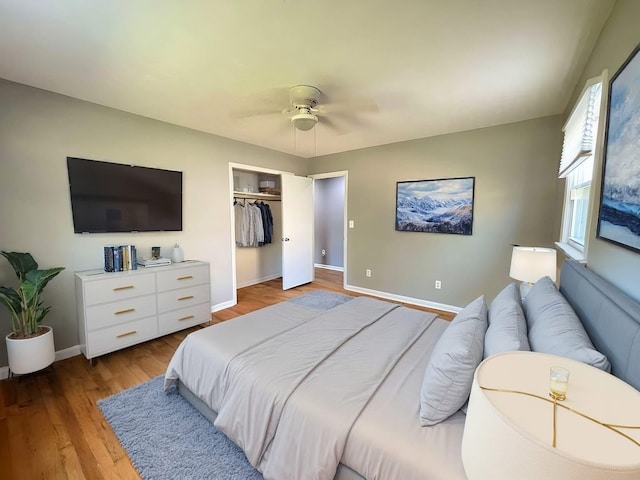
x,y
610,317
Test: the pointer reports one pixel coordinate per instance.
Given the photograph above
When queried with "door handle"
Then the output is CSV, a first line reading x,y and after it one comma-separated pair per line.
x,y
285,239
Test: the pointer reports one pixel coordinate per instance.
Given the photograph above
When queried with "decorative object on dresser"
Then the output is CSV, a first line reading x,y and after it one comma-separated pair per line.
x,y
30,345
177,255
117,310
593,433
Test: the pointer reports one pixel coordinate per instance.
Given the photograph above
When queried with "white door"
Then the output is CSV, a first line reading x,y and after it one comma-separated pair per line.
x,y
297,231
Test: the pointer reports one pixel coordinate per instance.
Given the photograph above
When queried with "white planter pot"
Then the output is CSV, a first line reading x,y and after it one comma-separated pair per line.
x,y
31,354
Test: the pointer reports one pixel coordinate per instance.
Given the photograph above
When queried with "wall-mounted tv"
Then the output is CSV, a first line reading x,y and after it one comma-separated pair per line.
x,y
112,197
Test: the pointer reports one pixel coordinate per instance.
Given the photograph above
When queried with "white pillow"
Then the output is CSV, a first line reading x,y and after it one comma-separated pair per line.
x,y
507,329
449,373
555,328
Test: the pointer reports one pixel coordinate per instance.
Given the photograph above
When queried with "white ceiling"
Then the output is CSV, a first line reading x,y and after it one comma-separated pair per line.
x,y
431,66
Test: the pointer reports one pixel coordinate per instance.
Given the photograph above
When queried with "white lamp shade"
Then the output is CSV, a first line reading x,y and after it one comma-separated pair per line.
x,y
530,264
509,436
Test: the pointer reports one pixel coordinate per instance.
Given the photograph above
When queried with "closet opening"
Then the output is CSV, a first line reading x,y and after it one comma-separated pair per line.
x,y
281,203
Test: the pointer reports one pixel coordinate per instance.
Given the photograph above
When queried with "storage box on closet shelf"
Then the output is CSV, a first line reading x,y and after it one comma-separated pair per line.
x,y
268,186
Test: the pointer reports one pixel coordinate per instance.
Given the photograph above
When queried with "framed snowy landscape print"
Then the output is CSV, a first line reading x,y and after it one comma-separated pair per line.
x,y
619,218
436,206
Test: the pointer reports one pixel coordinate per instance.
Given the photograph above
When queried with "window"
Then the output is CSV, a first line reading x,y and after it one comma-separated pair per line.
x,y
577,166
578,190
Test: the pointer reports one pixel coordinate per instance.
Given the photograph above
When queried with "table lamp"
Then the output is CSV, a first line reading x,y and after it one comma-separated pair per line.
x,y
530,264
514,429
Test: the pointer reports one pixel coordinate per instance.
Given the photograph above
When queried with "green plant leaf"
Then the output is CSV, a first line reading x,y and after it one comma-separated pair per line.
x,y
21,262
10,298
40,278
24,303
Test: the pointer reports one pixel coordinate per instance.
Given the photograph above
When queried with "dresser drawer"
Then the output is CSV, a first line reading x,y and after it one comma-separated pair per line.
x,y
121,336
184,297
114,313
119,309
183,318
118,288
182,277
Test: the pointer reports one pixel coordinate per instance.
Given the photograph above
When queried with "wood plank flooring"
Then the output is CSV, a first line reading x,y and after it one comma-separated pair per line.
x,y
50,425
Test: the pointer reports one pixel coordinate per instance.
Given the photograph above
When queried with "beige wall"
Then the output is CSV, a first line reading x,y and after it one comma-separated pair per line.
x,y
515,167
38,130
619,37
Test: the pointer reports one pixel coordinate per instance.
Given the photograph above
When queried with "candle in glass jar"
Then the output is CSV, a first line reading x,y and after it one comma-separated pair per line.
x,y
558,382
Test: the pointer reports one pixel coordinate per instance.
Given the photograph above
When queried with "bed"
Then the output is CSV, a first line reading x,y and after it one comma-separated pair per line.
x,y
290,385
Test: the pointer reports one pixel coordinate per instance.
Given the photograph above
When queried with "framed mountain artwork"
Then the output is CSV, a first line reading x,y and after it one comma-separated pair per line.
x,y
443,205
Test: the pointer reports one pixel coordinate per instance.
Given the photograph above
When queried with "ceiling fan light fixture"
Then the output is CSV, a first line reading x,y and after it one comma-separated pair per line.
x,y
304,121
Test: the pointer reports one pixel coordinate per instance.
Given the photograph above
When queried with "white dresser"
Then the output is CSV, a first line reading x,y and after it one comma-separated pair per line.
x,y
120,309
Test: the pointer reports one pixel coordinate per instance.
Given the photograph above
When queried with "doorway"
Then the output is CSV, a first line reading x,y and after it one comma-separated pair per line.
x,y
290,254
330,221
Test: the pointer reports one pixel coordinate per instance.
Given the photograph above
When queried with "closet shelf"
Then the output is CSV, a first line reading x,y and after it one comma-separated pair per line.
x,y
259,196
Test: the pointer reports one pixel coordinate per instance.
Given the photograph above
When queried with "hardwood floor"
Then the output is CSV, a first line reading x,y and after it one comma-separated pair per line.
x,y
50,425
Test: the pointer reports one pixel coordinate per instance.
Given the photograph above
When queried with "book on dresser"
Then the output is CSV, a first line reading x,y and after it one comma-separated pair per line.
x,y
119,258
120,309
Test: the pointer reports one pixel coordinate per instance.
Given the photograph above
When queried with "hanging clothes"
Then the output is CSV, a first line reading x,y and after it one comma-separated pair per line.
x,y
241,215
257,228
267,221
253,224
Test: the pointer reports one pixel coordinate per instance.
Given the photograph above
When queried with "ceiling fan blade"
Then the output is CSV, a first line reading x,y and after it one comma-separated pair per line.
x,y
337,127
263,102
255,112
359,105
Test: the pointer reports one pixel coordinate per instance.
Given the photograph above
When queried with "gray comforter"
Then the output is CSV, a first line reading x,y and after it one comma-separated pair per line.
x,y
290,400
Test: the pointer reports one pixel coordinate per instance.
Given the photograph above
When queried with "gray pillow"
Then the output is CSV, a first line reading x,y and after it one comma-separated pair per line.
x,y
507,329
449,373
555,328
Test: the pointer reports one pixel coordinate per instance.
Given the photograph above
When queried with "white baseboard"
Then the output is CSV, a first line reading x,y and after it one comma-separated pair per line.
x,y
221,306
68,353
259,280
60,355
401,298
328,267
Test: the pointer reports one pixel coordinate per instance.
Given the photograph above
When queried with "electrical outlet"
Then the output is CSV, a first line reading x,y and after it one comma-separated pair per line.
x,y
438,284
324,252
368,272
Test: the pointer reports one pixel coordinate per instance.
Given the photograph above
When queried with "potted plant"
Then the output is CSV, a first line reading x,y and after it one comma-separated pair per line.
x,y
29,345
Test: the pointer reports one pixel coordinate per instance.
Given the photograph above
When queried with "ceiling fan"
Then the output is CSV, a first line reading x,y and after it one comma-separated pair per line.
x,y
302,102
308,105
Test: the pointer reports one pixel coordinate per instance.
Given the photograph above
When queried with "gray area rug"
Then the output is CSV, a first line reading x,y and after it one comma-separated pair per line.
x,y
165,437
321,299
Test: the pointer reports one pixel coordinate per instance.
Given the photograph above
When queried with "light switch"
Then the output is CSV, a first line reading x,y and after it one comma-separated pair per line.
x,y
351,223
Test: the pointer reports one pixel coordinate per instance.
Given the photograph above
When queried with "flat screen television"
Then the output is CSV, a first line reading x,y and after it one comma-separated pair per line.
x,y
112,197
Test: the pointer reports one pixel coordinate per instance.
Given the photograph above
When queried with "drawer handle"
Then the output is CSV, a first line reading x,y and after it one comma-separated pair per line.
x,y
185,297
132,332
120,312
126,287
186,277
188,317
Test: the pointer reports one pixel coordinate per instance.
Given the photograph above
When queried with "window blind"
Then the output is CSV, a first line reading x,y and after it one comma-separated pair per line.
x,y
581,129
